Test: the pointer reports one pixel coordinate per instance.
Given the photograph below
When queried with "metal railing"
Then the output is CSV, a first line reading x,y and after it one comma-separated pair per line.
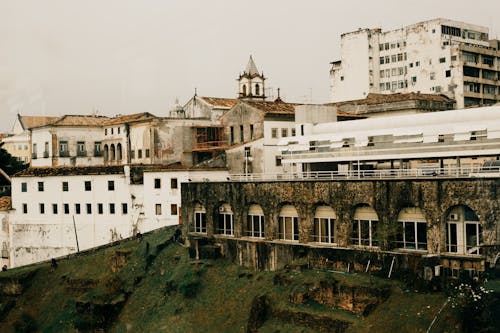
x,y
429,173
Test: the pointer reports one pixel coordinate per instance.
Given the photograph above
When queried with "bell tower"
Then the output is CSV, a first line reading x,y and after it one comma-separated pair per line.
x,y
251,83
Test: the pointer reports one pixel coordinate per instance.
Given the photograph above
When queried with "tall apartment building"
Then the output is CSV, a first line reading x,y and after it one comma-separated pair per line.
x,y
438,56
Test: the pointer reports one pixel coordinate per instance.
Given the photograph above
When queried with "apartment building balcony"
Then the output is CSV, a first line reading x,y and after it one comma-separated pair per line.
x,y
81,153
64,154
34,156
97,153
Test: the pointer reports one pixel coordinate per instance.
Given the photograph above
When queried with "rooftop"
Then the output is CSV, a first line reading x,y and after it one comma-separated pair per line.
x,y
373,98
70,171
76,120
273,107
219,102
130,118
36,121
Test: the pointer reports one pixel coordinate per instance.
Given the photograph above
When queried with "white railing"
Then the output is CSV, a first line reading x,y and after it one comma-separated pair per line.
x,y
466,172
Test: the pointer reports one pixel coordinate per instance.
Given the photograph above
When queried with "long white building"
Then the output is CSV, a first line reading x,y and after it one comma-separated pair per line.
x,y
437,56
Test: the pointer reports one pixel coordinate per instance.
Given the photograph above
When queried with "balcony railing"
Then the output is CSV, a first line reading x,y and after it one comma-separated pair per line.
x,y
97,153
33,156
81,153
45,154
425,173
64,154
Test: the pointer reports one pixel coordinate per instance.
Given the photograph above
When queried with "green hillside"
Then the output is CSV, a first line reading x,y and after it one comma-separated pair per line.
x,y
151,285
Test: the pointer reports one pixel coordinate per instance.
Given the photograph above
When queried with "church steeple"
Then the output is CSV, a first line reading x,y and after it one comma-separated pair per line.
x,y
251,82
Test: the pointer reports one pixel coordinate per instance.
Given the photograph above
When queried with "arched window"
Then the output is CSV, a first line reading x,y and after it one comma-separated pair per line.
x,y
119,155
106,153
200,219
288,223
463,231
255,221
257,89
364,227
225,224
324,225
244,90
412,231
112,153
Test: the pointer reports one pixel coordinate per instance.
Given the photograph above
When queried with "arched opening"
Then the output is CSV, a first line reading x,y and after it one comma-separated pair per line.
x,y
412,229
257,89
112,152
324,225
119,153
255,222
364,227
463,231
200,219
106,153
225,221
244,90
288,223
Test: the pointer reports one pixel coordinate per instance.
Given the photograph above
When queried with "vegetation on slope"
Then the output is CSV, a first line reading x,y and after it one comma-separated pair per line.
x,y
151,285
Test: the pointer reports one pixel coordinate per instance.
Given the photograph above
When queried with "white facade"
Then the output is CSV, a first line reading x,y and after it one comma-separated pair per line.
x,y
66,146
4,238
162,194
457,138
424,57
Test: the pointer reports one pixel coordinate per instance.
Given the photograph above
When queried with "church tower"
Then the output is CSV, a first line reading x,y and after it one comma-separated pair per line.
x,y
251,83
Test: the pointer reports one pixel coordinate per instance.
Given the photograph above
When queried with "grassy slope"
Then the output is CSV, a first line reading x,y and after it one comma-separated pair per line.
x,y
159,294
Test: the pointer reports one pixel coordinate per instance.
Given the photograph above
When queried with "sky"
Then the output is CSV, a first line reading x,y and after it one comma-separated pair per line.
x,y
122,56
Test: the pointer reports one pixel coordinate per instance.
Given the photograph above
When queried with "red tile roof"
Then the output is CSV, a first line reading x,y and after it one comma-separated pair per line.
x,y
5,203
130,118
36,121
219,102
273,107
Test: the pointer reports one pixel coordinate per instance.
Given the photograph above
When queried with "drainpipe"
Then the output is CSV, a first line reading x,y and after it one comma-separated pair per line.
x,y
127,134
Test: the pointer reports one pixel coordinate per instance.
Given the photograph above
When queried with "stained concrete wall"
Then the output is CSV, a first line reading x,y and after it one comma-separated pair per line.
x,y
435,197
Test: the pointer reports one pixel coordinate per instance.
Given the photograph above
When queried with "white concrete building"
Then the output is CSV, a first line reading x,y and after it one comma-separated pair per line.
x,y
162,192
71,140
437,56
447,140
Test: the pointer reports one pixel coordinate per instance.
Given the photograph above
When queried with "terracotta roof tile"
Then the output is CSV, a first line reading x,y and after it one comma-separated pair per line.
x,y
70,171
274,107
220,102
36,121
5,203
130,118
373,98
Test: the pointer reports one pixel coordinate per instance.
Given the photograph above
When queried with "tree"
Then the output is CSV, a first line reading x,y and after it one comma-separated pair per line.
x,y
9,164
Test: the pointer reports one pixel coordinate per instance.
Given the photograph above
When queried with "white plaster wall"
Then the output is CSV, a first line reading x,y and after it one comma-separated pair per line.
x,y
37,237
166,196
4,236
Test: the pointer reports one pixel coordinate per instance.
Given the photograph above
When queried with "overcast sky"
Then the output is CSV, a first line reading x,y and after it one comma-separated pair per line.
x,y
72,57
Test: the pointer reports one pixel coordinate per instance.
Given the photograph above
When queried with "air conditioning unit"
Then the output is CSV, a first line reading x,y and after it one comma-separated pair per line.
x,y
454,217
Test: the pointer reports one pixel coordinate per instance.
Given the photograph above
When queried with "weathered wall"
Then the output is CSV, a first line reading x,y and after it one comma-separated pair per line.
x,y
434,197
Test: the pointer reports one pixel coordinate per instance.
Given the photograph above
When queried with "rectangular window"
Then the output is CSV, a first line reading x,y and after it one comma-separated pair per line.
x,y
251,132
97,149
34,152
139,153
231,135
77,209
394,71
118,129
66,208
173,209
147,153
42,208
100,209
111,208
89,208
88,185
387,86
63,149
157,183
24,187
173,183
132,154
278,160
442,60
293,132
80,148
386,46
105,131
46,152
387,59
381,60
284,132
111,185
413,79
381,74
158,209
54,208
382,86
400,56
124,209
448,73
111,130
242,134
417,63
40,186
432,76
25,208
387,72
65,186
393,58
274,133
